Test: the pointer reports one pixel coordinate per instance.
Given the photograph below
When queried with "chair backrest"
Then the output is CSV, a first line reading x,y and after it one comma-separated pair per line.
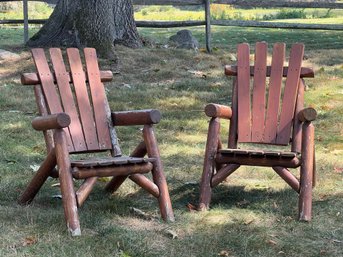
x,y
266,113
80,93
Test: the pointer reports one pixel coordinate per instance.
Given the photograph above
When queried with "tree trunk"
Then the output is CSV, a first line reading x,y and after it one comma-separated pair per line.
x,y
91,23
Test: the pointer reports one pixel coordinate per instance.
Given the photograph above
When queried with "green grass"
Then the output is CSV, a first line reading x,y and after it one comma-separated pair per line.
x,y
253,214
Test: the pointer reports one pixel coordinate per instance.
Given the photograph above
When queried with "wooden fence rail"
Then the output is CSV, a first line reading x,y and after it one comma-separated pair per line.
x,y
208,22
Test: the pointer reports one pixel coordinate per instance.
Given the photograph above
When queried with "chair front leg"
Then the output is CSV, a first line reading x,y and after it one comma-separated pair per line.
x,y
158,174
209,164
306,172
66,181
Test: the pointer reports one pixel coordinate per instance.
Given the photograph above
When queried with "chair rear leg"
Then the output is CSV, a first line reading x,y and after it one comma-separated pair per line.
x,y
39,178
209,163
158,174
66,182
306,173
115,183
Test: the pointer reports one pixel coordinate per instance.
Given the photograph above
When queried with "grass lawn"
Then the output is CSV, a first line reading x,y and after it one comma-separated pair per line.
x,y
253,214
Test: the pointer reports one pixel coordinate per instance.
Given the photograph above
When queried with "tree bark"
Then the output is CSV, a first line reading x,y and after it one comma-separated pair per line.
x,y
91,23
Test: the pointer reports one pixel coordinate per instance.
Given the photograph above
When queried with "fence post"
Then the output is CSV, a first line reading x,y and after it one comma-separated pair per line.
x,y
26,21
208,25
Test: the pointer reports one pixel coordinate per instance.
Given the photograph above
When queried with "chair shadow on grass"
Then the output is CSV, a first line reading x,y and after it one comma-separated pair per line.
x,y
279,202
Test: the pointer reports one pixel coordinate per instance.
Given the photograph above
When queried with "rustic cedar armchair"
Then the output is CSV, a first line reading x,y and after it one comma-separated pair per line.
x,y
280,120
75,118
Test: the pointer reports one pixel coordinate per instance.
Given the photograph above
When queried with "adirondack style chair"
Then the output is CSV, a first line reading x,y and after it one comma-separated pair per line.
x,y
261,114
75,119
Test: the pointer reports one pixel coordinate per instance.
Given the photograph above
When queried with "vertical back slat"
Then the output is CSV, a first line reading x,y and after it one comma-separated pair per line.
x,y
274,95
232,140
85,108
259,92
297,126
48,86
290,94
62,78
243,78
102,116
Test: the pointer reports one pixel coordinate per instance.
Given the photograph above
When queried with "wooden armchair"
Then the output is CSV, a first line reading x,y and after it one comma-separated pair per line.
x,y
75,118
279,120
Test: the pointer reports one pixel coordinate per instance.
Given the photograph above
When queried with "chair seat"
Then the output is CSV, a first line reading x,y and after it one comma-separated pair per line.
x,y
258,158
110,161
259,153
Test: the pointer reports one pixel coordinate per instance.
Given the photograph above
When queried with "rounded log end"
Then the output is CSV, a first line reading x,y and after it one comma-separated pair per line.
x,y
211,110
29,79
217,110
155,116
63,120
307,114
53,121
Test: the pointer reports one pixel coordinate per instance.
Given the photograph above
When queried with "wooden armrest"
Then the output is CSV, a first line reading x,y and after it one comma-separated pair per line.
x,y
218,111
53,121
141,117
307,114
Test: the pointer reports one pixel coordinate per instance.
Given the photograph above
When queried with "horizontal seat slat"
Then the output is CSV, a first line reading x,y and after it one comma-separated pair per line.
x,y
258,153
113,161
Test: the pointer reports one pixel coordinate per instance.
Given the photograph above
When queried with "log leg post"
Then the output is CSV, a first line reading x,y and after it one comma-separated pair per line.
x,y
66,181
209,164
116,181
306,172
84,190
158,174
39,178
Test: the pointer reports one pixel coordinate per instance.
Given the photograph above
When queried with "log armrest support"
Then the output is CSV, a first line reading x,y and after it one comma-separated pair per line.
x,y
53,121
218,111
141,117
307,115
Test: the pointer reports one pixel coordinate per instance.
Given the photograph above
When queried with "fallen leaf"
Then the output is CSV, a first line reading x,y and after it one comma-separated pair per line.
x,y
248,221
271,242
29,241
243,203
224,253
338,170
140,213
191,207
171,233
34,167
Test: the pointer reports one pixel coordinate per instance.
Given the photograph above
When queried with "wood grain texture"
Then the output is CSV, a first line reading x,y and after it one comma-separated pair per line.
x,y
33,78
66,183
49,89
259,92
67,98
82,97
290,94
99,99
158,174
306,172
244,99
209,164
231,70
274,95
